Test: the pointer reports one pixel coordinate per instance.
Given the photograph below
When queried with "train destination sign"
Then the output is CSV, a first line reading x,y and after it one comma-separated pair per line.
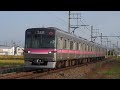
x,y
40,32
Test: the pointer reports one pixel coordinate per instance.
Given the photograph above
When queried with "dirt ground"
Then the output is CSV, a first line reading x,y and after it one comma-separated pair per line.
x,y
109,69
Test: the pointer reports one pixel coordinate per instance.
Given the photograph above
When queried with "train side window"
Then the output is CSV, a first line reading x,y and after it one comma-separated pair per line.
x,y
88,48
74,47
95,49
77,46
65,44
85,46
61,39
68,44
80,48
71,45
91,48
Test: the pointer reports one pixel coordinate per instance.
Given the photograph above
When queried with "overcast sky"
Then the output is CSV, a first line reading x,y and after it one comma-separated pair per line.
x,y
14,23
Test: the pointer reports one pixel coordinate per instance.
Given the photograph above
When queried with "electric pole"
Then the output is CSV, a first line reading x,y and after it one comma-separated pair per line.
x,y
110,48
73,22
91,33
117,49
101,38
113,50
69,23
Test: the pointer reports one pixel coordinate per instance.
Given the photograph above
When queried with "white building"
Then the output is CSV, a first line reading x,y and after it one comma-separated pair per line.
x,y
6,50
19,51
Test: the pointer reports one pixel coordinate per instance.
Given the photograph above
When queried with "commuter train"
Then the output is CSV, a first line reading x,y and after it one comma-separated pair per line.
x,y
54,48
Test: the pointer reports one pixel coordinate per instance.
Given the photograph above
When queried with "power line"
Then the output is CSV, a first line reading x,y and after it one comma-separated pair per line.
x,y
85,26
65,22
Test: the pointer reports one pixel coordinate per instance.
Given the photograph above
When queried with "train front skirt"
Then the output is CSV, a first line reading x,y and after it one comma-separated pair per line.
x,y
48,65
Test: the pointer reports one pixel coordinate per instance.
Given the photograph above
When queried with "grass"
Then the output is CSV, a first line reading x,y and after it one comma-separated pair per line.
x,y
113,71
6,60
4,63
12,61
107,70
117,58
10,56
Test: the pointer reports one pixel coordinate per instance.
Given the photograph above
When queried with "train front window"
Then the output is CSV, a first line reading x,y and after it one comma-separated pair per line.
x,y
40,41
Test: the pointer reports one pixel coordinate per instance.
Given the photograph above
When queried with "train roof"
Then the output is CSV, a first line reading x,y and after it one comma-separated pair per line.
x,y
73,35
77,37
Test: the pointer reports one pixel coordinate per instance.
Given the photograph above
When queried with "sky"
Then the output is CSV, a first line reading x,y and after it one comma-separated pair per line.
x,y
14,23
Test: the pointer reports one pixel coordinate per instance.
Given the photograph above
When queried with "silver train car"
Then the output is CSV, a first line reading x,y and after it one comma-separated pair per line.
x,y
53,48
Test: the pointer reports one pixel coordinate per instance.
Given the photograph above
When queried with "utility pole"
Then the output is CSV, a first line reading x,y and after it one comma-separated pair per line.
x,y
73,22
117,49
91,33
69,23
101,38
113,50
110,48
117,44
107,47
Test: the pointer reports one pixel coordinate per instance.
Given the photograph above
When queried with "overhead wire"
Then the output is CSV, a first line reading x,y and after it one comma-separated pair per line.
x,y
63,21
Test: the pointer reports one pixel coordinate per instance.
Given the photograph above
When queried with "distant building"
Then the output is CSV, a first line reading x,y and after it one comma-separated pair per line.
x,y
7,50
19,50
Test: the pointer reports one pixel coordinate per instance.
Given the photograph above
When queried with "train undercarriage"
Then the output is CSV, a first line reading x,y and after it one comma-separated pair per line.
x,y
62,63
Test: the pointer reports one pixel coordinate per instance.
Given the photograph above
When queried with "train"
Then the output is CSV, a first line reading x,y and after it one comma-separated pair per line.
x,y
52,47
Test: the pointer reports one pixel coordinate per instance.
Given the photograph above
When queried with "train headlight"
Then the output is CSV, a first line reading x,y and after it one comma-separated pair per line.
x,y
28,51
50,52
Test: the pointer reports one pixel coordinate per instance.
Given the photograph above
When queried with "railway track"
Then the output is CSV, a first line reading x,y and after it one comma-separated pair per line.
x,y
35,74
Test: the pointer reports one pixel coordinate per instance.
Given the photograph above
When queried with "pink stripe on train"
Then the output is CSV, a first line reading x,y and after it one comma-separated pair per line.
x,y
46,51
